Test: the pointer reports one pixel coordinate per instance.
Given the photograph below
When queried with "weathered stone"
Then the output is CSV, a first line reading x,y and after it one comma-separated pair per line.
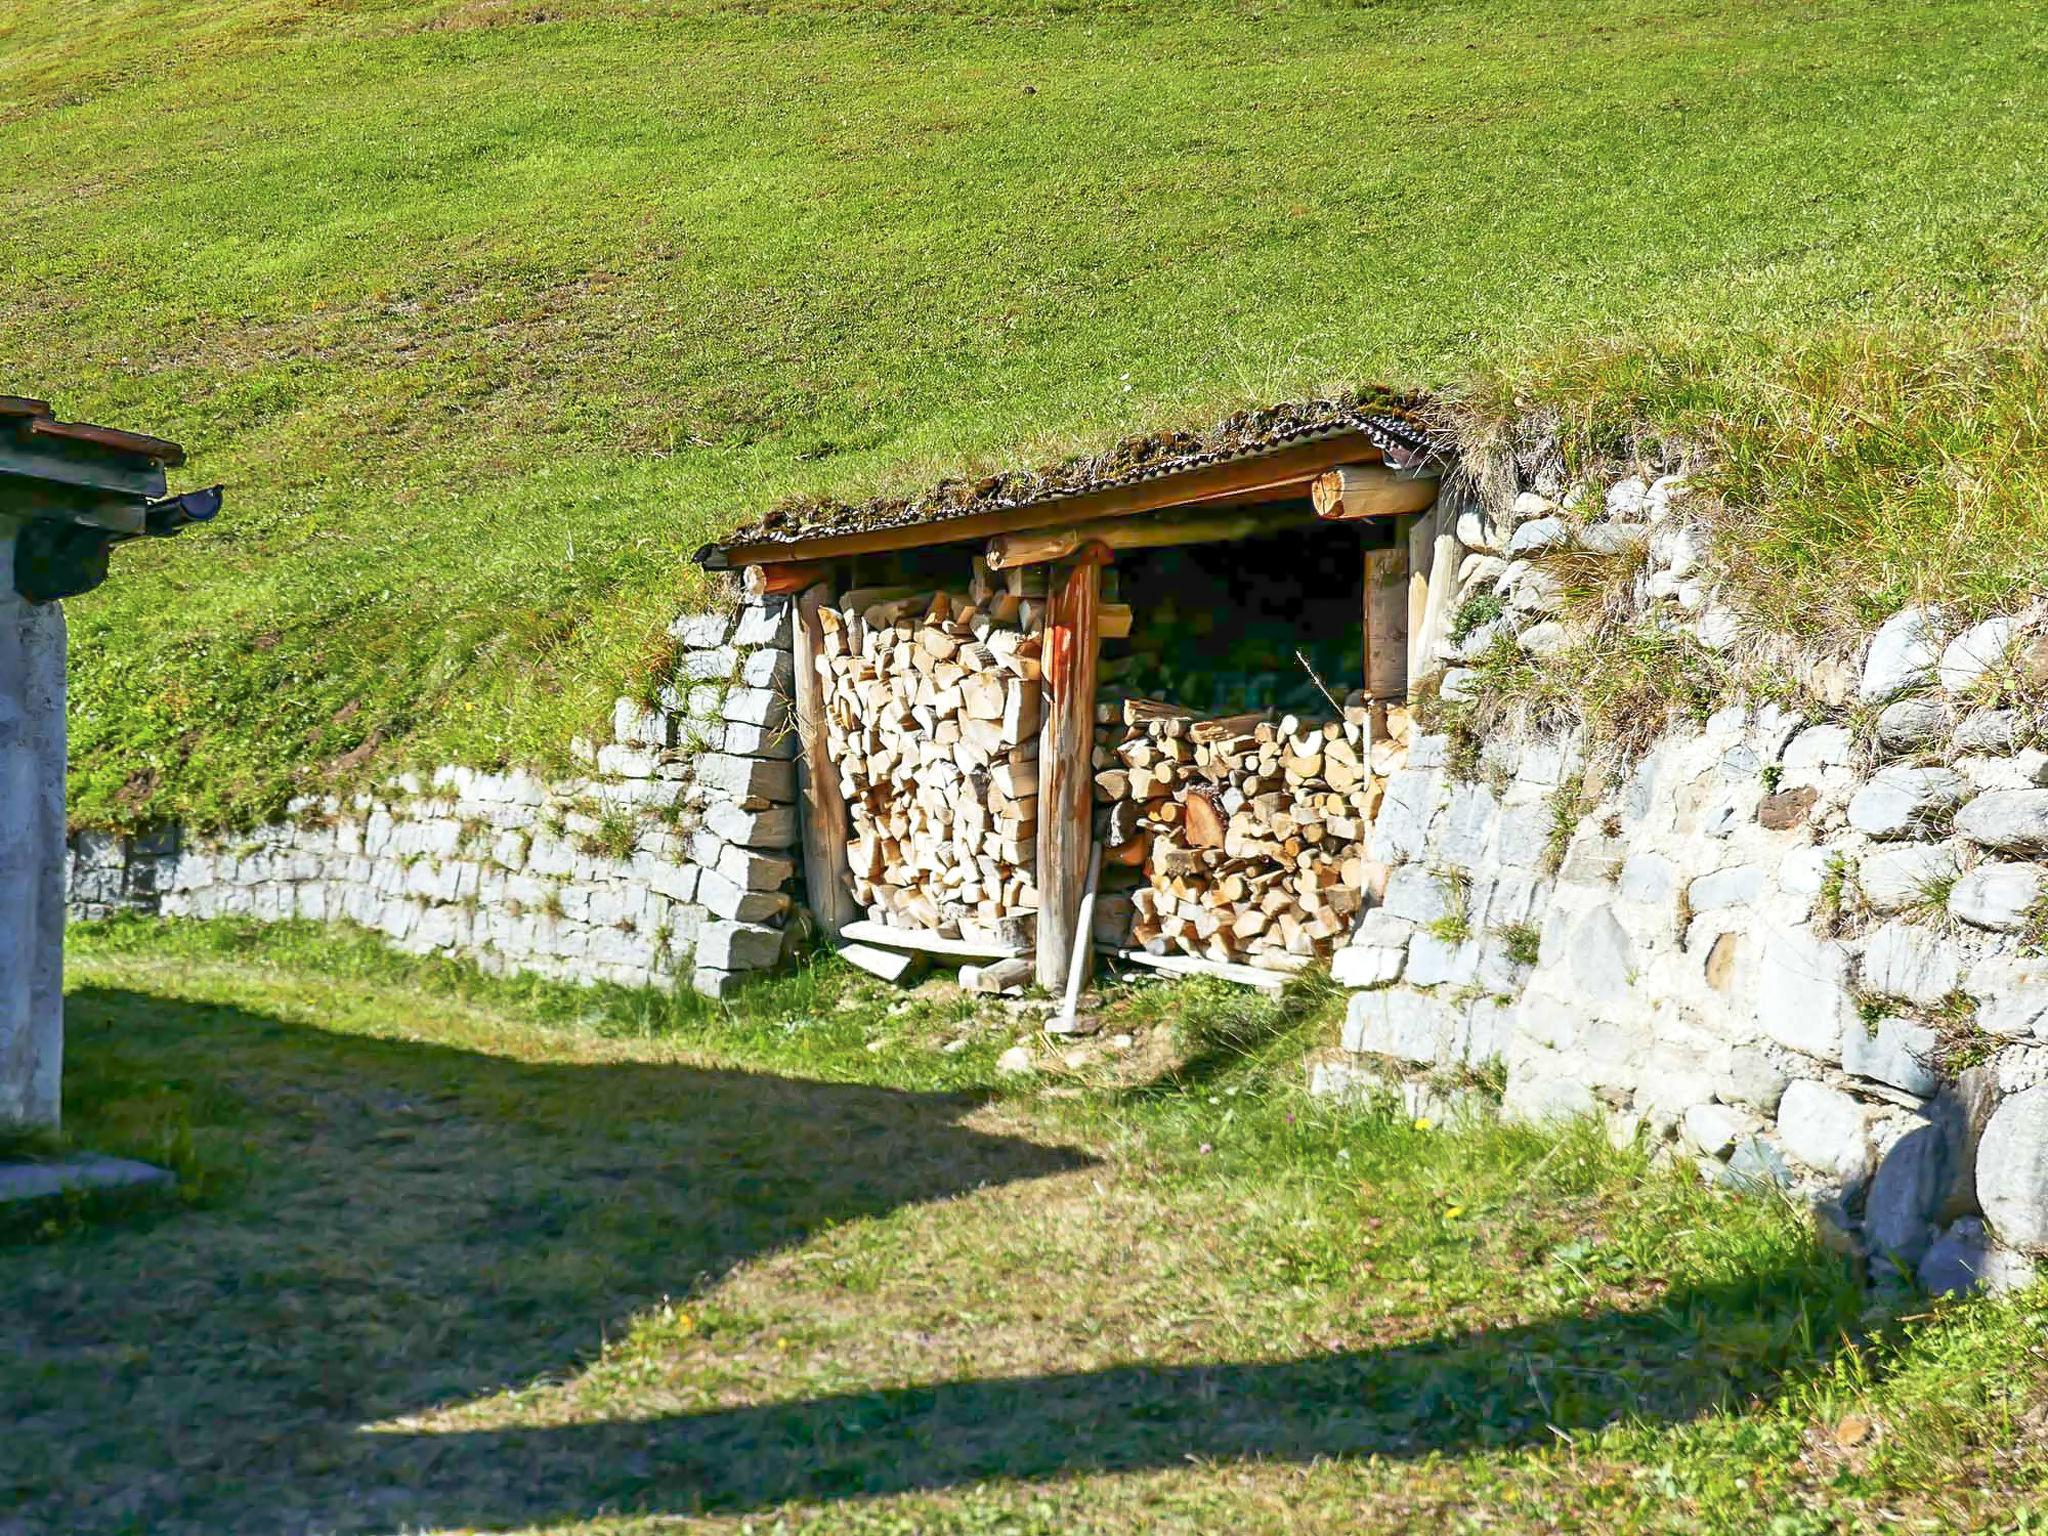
x,y
2012,1171
1988,730
1905,801
747,778
1459,683
1368,965
1965,1258
756,706
707,981
702,629
1903,653
1538,536
763,623
1477,531
1712,1130
1628,500
1907,725
1433,962
1977,650
626,762
1755,1078
1896,878
2012,995
738,946
1413,1026
1756,1164
1611,538
1997,896
1416,894
1786,809
1737,886
1899,1052
753,870
1401,830
1593,860
776,739
1907,961
2010,820
1825,1129
78,1174
728,899
771,668
1601,958
1647,879
1802,997
774,828
718,665
1818,748
1544,639
635,725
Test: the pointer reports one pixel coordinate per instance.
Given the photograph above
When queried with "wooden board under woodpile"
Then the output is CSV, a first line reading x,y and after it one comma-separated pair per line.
x,y
1246,834
932,705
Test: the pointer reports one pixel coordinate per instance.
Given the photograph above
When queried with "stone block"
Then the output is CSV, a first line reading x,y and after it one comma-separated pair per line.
x,y
1905,801
1905,1192
2026,769
1756,1078
1714,1130
729,899
702,630
776,739
1899,1052
1907,961
1593,860
678,882
774,828
1825,1129
1599,961
1819,748
1416,894
1413,1026
1363,966
763,623
770,668
1737,886
2009,820
1965,1258
718,665
738,946
1524,836
1903,654
1981,648
622,762
747,778
1647,879
716,985
1997,896
754,870
2012,995
1538,536
635,725
756,706
1432,962
1912,725
1466,830
1802,998
2012,1171
1401,831
1892,879
1993,731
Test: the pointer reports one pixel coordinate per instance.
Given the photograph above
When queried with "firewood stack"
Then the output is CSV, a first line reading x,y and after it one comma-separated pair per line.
x,y
932,708
1247,832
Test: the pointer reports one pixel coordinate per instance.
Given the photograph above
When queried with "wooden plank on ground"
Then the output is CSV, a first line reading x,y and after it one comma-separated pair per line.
x,y
1188,965
923,941
889,964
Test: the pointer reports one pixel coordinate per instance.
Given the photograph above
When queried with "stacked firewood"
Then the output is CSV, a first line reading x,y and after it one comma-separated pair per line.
x,y
1248,832
932,707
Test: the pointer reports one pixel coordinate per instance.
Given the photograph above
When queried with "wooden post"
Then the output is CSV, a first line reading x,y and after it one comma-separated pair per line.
x,y
1386,621
823,818
1433,544
1066,751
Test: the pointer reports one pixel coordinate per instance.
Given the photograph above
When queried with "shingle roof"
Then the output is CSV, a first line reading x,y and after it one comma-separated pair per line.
x,y
1392,423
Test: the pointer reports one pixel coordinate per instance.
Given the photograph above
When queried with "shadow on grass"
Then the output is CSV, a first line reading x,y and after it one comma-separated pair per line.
x,y
401,1225
423,1224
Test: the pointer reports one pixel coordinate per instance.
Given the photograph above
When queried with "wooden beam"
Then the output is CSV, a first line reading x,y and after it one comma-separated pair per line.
x,y
924,941
1189,965
889,964
1432,590
1010,550
1280,472
1351,492
781,579
1386,622
1066,750
824,818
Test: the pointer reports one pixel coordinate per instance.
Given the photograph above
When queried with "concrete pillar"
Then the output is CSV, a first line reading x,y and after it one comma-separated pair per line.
x,y
31,850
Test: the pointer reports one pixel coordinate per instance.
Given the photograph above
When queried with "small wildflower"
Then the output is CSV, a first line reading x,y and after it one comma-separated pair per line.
x,y
1207,1149
1423,1123
781,1343
1454,1212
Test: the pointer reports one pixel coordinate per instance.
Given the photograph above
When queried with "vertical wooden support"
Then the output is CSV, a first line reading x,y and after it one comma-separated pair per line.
x,y
824,818
1066,750
1432,583
1386,621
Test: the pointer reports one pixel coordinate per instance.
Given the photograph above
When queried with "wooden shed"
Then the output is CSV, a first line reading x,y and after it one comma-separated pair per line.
x,y
1145,700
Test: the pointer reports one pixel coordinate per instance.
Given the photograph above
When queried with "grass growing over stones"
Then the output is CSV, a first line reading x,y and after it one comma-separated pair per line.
x,y
488,312
481,1255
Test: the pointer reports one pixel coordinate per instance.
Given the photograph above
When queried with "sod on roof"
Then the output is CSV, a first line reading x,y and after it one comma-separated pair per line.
x,y
490,314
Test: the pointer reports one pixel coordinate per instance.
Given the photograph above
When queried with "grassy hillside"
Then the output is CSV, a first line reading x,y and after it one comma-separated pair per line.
x,y
488,312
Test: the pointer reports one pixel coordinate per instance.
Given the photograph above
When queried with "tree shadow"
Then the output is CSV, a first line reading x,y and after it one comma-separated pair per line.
x,y
1543,1384
413,1225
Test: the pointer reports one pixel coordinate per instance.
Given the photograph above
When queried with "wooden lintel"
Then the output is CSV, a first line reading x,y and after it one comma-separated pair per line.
x,y
781,579
1351,492
823,819
1010,550
1283,472
1066,776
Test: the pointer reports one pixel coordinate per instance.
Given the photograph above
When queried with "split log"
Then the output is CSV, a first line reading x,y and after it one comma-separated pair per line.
x,y
1356,491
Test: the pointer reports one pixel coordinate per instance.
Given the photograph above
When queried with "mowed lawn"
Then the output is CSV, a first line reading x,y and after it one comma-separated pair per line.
x,y
460,1255
489,311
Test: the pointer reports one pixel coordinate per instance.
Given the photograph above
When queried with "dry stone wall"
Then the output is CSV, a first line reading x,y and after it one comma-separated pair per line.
x,y
1798,945
669,859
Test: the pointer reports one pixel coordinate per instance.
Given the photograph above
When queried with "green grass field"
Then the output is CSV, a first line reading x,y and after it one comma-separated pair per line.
x,y
463,1255
489,312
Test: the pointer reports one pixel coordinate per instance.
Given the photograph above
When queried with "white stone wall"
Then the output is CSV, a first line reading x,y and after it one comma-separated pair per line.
x,y
31,851
670,860
1797,945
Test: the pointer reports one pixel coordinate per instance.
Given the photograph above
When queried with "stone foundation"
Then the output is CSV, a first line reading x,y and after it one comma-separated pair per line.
x,y
670,859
